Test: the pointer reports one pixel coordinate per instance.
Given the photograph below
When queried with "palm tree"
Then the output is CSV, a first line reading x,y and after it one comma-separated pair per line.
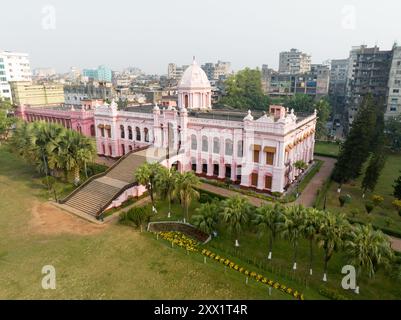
x,y
333,228
146,175
310,229
206,217
71,151
292,228
300,165
21,140
186,190
368,249
236,213
269,219
166,180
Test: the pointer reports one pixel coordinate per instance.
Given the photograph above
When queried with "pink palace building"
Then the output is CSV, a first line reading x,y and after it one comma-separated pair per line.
x,y
78,117
254,150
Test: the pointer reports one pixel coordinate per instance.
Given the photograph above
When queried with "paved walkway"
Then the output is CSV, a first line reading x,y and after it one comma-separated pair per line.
x,y
229,193
308,195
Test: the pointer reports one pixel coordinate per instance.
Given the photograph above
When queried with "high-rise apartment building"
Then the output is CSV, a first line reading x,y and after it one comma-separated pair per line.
x,y
14,66
175,72
216,71
294,62
369,72
393,107
102,73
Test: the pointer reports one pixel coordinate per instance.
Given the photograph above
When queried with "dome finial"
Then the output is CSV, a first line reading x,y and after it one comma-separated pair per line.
x,y
193,60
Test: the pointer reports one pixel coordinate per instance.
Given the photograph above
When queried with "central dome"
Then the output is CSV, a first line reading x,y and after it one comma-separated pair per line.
x,y
194,77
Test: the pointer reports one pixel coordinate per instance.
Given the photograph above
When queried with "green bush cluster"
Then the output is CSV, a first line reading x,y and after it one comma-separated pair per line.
x,y
332,294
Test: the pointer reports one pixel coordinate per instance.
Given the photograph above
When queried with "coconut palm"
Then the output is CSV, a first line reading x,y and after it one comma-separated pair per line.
x,y
71,153
186,190
206,217
310,229
42,135
146,175
292,228
269,219
166,180
333,228
235,213
21,141
368,249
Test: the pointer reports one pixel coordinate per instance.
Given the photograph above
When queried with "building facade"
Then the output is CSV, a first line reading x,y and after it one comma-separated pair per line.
x,y
294,62
78,118
14,66
393,107
75,93
216,71
369,72
102,73
27,93
254,151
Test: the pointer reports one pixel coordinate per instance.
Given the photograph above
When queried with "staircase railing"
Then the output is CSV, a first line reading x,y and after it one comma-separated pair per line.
x,y
99,175
117,194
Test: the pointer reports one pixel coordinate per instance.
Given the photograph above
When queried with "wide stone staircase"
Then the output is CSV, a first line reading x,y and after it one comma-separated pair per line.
x,y
97,193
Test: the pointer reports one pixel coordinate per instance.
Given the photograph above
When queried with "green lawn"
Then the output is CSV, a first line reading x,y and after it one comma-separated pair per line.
x,y
330,149
384,216
119,262
116,262
253,255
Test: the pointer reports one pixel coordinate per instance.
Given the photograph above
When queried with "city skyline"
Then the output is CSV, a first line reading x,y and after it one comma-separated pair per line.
x,y
61,35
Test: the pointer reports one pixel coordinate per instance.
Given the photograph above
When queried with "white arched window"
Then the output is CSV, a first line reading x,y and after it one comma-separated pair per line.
x,y
194,142
216,145
240,150
229,147
205,144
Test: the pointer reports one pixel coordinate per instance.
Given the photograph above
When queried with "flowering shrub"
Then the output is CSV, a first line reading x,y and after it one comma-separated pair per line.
x,y
181,240
254,275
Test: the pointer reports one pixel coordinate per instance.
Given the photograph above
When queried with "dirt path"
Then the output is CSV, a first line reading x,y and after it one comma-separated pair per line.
x,y
48,219
308,196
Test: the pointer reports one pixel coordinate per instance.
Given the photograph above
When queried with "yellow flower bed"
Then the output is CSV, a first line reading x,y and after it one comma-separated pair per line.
x,y
254,275
181,240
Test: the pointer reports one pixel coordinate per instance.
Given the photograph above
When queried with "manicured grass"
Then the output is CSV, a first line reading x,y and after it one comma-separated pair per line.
x,y
385,215
254,249
253,255
115,262
329,149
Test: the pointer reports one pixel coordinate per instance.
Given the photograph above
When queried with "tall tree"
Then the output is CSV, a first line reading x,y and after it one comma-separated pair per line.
x,y
71,151
378,155
206,217
332,231
368,249
269,219
292,229
244,91
323,109
166,180
310,230
393,133
186,190
236,214
356,149
146,175
397,188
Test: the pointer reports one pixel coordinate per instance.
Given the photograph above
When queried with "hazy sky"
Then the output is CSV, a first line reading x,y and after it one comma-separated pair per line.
x,y
151,33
